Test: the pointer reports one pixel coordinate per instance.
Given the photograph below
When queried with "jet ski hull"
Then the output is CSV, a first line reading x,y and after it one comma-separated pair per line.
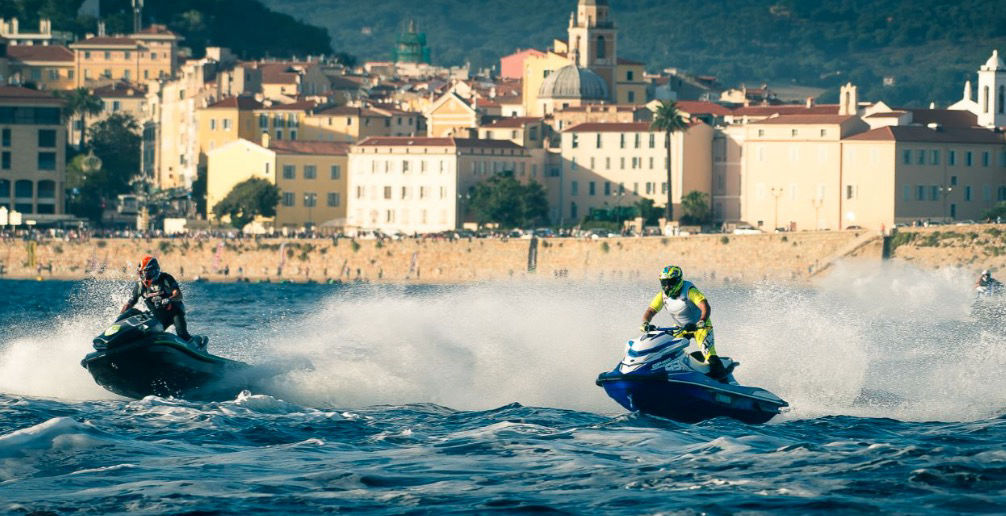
x,y
163,365
689,399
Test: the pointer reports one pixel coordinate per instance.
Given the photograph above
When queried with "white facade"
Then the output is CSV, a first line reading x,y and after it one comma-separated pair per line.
x,y
992,92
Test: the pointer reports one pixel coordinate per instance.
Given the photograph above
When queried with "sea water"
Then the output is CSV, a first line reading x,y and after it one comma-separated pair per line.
x,y
482,398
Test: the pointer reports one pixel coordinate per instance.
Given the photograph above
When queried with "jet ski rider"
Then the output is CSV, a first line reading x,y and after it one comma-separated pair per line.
x,y
161,294
987,282
690,310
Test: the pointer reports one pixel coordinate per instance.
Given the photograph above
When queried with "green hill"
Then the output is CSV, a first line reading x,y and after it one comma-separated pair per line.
x,y
929,47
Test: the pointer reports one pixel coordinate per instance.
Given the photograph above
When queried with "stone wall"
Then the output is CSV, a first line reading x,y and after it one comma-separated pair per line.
x,y
740,258
976,247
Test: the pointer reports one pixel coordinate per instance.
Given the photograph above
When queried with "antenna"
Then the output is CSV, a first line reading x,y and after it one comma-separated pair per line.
x,y
137,9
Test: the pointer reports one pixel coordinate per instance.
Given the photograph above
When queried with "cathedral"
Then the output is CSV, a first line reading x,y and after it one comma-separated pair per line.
x,y
584,68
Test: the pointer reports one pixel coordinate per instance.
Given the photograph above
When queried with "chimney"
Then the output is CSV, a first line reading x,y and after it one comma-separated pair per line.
x,y
101,28
265,140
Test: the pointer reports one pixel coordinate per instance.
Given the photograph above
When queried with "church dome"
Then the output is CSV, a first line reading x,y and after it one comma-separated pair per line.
x,y
573,82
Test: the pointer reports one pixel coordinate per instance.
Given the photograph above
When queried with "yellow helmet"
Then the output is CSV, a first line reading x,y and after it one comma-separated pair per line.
x,y
670,280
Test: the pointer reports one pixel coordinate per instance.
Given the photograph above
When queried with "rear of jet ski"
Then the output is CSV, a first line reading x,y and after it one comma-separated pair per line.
x,y
163,365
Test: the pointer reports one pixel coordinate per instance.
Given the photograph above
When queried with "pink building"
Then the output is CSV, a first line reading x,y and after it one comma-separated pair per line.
x,y
512,66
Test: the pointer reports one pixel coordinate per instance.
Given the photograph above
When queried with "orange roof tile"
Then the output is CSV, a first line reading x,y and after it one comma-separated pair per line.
x,y
309,147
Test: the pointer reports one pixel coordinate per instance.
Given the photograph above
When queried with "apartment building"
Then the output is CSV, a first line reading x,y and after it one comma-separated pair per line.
x,y
48,67
32,152
146,55
612,164
311,177
420,184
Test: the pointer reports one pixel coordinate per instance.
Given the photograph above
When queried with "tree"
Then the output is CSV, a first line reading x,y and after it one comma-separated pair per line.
x,y
81,103
997,212
504,200
247,200
648,211
670,120
696,208
107,169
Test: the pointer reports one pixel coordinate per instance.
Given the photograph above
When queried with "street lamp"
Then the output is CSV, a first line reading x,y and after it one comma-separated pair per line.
x,y
817,202
776,193
945,190
309,199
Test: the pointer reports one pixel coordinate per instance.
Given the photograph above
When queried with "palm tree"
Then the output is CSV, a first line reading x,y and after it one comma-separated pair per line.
x,y
81,102
670,120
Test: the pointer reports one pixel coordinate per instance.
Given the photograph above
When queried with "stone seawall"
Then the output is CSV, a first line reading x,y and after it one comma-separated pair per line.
x,y
737,258
981,246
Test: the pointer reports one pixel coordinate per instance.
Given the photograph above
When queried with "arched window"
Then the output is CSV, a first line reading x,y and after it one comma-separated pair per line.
x,y
985,99
24,189
1002,100
601,51
46,189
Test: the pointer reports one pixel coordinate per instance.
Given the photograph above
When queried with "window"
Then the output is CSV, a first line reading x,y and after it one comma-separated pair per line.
x,y
600,52
968,158
227,124
934,157
5,160
127,74
985,159
279,134
920,193
5,138
622,163
333,199
310,172
967,193
592,162
108,55
906,157
575,140
761,132
310,200
621,141
906,193
934,193
631,96
53,74
607,163
288,198
794,132
920,157
107,73
850,191
46,138
953,180
951,158
405,166
387,192
572,164
405,192
47,161
592,188
289,172
824,132
628,75
1001,194
574,188
637,141
87,54
651,162
607,188
653,141
597,140
263,121
335,172
213,124
146,74
153,56
46,189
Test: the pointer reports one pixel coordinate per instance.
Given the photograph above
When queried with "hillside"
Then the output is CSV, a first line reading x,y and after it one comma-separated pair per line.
x,y
929,47
245,26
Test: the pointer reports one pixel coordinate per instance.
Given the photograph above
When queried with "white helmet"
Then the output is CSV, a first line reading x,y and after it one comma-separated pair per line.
x,y
986,273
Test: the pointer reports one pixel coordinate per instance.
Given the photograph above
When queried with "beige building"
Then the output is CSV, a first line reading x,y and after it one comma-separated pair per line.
x,y
451,115
608,165
528,132
143,56
420,184
351,124
49,67
310,175
536,70
600,113
225,121
288,80
32,153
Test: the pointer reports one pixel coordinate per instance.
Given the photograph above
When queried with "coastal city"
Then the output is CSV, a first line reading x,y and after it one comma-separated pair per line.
x,y
398,146
635,257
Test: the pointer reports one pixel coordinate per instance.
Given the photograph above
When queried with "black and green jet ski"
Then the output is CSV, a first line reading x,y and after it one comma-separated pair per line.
x,y
135,357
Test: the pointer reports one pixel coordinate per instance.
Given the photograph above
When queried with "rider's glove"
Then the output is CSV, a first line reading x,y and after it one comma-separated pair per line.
x,y
690,327
646,327
165,302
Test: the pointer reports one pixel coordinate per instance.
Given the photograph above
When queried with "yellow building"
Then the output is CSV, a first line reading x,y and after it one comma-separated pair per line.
x,y
536,70
226,121
630,87
291,79
608,165
146,55
349,124
283,121
32,153
528,132
49,67
450,115
310,175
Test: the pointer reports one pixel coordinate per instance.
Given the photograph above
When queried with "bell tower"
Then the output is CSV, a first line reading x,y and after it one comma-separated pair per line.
x,y
992,92
592,39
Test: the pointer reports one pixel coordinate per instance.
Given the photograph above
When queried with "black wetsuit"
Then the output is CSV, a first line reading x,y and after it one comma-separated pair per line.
x,y
171,313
